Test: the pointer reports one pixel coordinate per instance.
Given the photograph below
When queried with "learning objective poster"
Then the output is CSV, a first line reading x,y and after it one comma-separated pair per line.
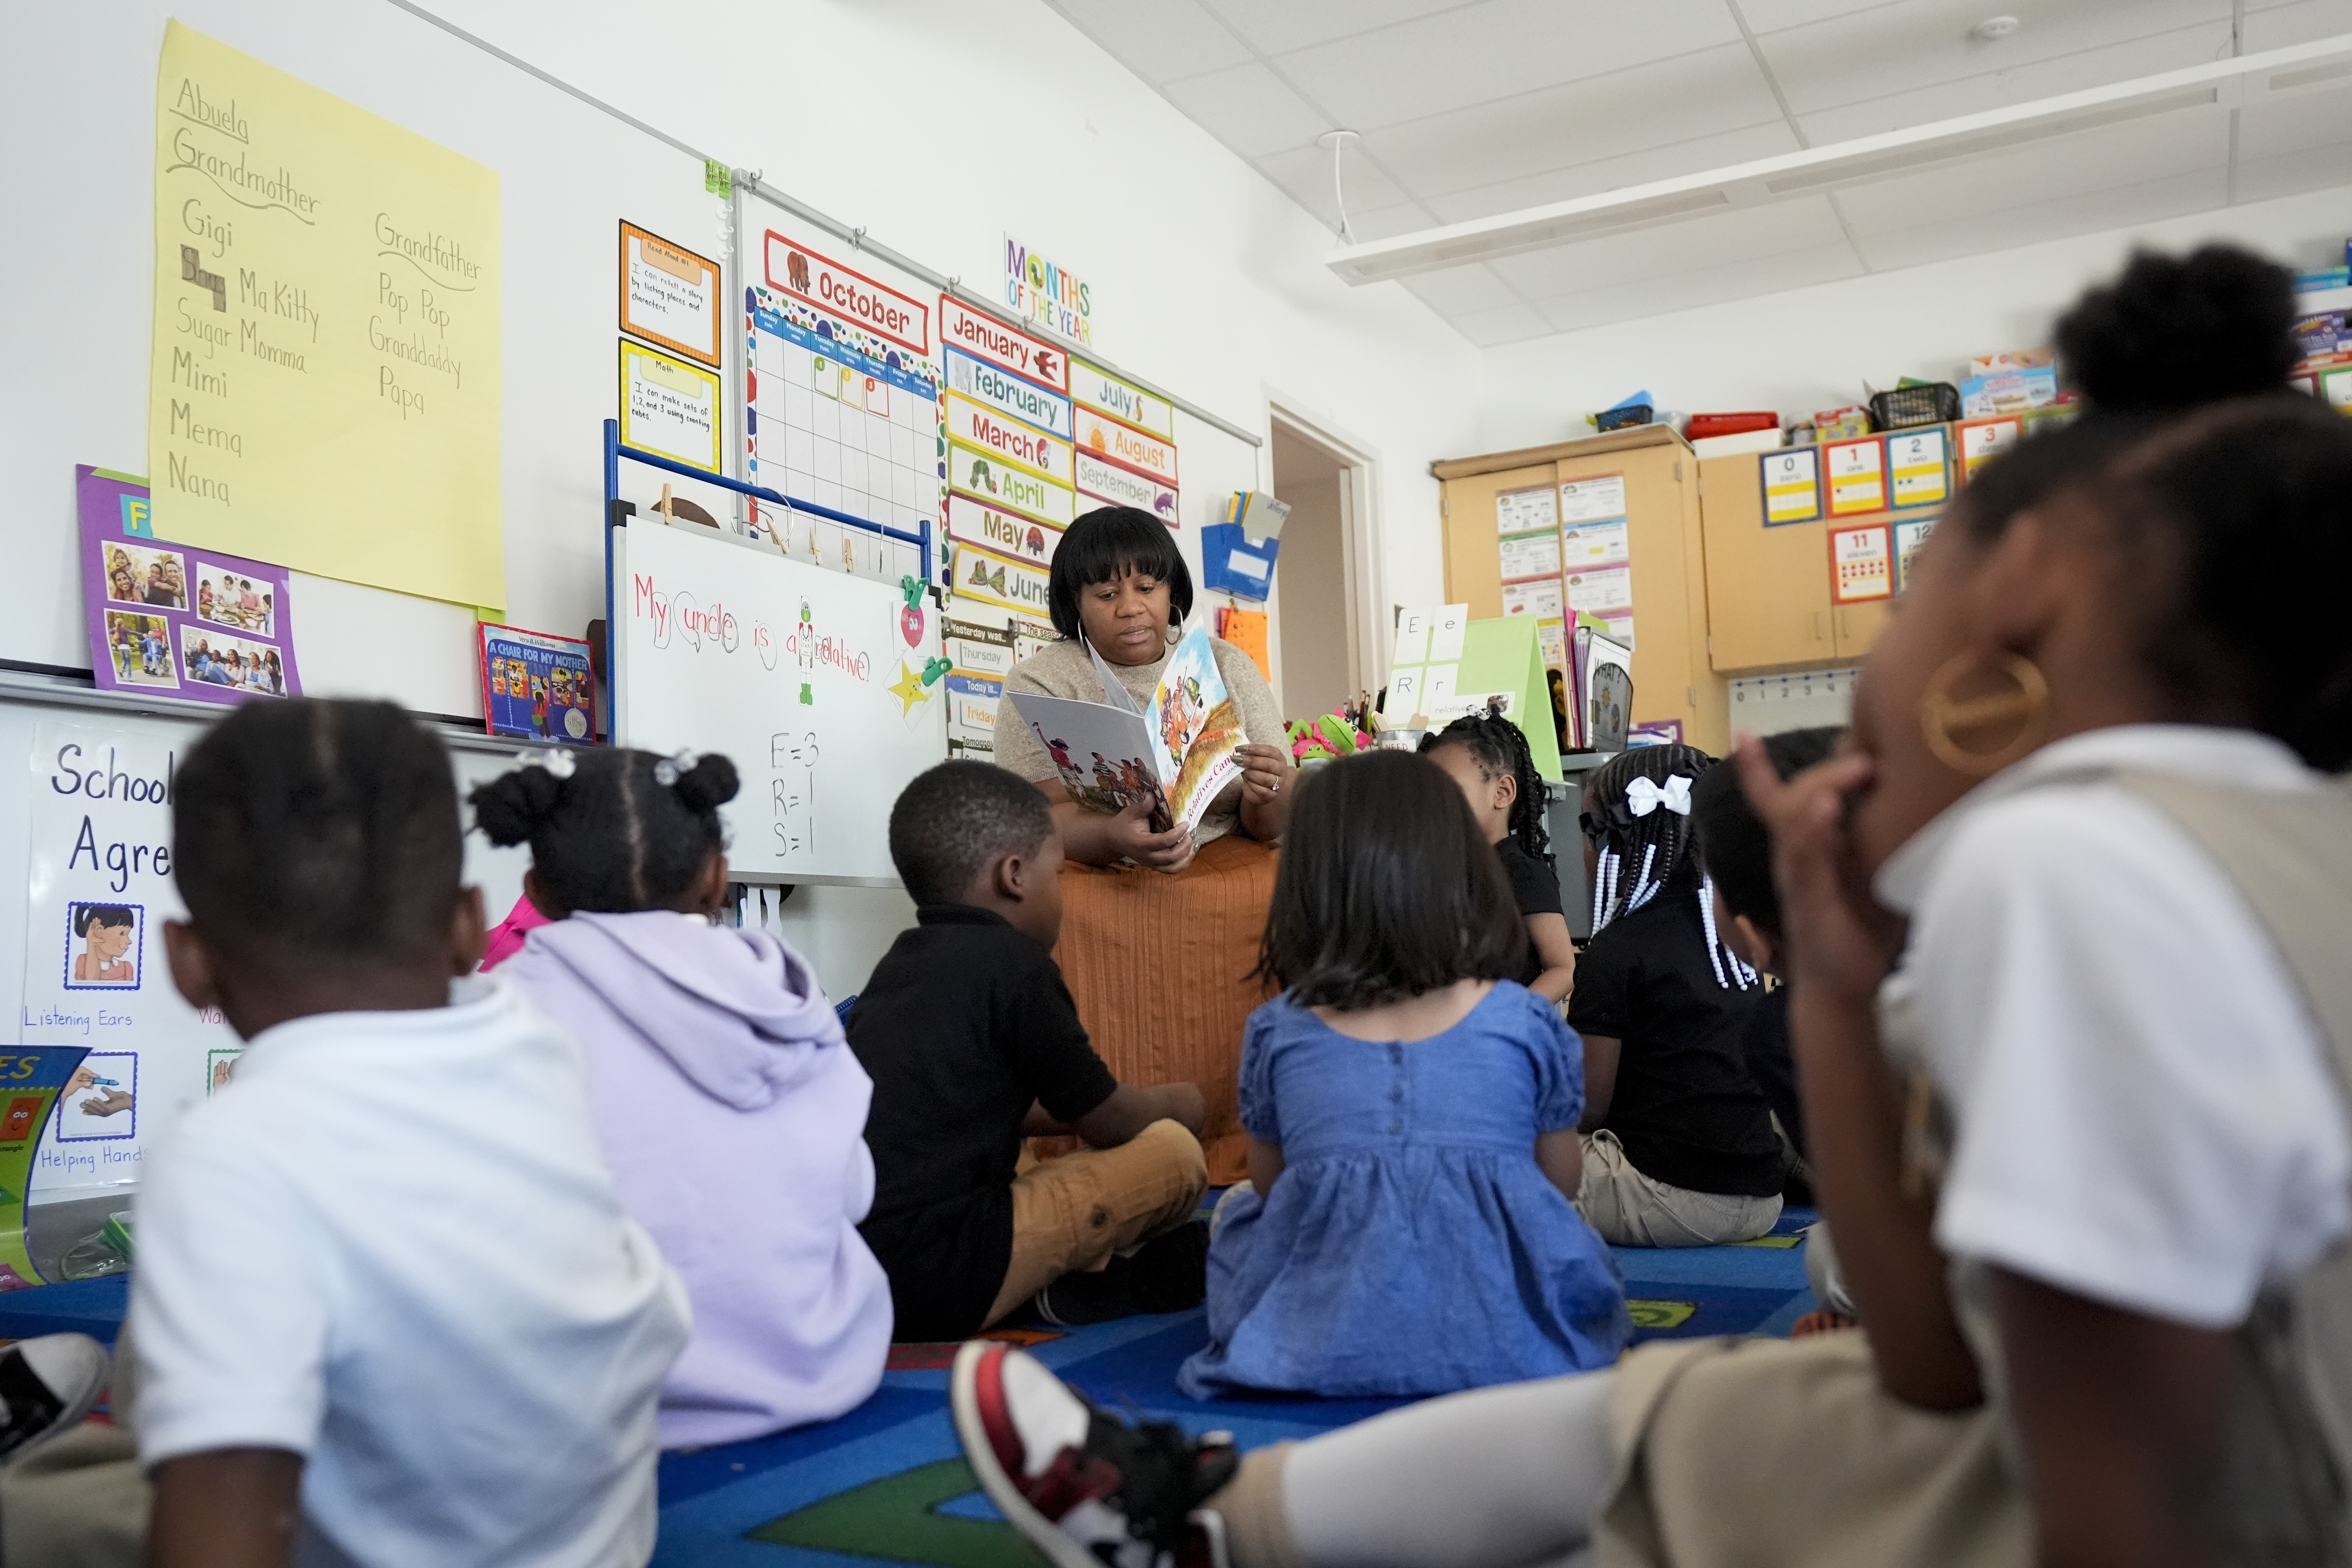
x,y
97,892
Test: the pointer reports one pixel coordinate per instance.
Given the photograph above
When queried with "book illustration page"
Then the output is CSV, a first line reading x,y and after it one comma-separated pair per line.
x,y
1196,729
1102,756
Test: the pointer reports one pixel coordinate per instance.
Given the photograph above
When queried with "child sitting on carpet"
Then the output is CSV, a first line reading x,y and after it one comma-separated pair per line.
x,y
972,1041
729,1105
1736,847
1408,1225
388,1307
1679,1149
1487,757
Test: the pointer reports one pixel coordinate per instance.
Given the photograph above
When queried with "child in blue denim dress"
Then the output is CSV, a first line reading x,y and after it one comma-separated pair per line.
x,y
1411,1115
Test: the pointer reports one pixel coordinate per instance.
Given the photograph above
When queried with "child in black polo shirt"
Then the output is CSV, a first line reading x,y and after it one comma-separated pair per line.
x,y
1679,1149
1488,757
973,1043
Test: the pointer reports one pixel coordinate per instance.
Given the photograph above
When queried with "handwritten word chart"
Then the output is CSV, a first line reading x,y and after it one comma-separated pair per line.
x,y
326,327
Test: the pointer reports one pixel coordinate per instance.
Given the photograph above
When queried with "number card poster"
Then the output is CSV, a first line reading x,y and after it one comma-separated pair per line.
x,y
97,891
537,686
173,620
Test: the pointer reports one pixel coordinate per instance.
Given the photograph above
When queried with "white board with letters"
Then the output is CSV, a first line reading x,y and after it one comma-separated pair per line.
x,y
810,680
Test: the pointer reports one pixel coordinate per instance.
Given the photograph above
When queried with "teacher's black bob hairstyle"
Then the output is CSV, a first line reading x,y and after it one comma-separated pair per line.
x,y
1104,546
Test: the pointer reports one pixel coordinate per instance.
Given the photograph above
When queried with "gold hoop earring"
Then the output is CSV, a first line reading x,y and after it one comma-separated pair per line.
x,y
1940,713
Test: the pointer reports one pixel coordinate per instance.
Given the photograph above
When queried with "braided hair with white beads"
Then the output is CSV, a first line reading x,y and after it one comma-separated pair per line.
x,y
1637,817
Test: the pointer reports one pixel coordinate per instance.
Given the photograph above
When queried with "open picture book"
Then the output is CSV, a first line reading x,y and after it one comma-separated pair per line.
x,y
1176,752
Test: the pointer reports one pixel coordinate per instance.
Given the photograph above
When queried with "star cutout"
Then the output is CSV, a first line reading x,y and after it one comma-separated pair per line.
x,y
908,688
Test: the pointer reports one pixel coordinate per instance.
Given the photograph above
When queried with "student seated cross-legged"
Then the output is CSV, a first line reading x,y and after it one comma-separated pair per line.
x,y
1679,1148
388,1307
729,1105
1412,1110
972,1041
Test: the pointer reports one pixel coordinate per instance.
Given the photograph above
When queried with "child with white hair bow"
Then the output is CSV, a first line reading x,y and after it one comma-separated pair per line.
x,y
1679,1149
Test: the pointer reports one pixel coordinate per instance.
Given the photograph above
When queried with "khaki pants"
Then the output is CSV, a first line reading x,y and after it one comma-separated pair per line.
x,y
1076,1212
79,1500
1631,1209
1723,1453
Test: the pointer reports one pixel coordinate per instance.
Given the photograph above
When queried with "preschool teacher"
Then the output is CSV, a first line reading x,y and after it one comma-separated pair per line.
x,y
1119,583
1157,928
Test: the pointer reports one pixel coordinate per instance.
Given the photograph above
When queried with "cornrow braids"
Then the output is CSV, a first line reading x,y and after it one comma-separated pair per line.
x,y
617,832
1499,747
309,829
1658,845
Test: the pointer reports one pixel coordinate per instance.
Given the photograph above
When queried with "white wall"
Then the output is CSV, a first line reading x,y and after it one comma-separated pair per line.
x,y
1813,348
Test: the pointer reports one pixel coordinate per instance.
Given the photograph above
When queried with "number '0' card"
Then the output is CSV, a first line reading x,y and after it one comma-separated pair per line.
x,y
1792,486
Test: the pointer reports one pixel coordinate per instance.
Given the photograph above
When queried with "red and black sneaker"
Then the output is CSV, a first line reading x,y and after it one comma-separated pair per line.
x,y
1085,1488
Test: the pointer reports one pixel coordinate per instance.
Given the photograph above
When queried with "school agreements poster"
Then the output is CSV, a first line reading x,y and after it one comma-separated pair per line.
x,y
98,890
325,387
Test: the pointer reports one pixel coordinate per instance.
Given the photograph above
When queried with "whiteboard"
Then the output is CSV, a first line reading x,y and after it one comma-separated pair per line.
x,y
809,680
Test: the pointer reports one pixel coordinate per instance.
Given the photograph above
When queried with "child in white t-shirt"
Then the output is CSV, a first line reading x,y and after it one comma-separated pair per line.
x,y
388,1307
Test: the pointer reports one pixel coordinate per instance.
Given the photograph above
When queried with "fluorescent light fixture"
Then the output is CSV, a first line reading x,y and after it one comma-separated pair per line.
x,y
2233,83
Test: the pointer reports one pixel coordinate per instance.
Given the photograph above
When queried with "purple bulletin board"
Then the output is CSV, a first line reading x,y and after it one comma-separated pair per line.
x,y
172,619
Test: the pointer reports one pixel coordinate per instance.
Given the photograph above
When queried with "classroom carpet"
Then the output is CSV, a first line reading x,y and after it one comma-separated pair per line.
x,y
886,1483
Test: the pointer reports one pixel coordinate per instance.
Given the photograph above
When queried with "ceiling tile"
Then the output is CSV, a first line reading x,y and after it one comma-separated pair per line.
x,y
2296,22
1744,278
1745,233
1615,173
1305,175
1510,324
1885,53
1247,109
1460,290
2075,167
1159,40
1772,16
1974,95
1272,28
1581,122
2291,173
2293,145
1483,52
2292,124
2115,207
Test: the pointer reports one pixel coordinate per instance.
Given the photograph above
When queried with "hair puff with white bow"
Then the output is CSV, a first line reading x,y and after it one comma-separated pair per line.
x,y
1637,813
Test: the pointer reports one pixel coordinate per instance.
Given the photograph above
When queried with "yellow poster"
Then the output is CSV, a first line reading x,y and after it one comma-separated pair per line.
x,y
325,387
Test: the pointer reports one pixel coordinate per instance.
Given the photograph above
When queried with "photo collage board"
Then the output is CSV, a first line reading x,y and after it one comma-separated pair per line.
x,y
172,620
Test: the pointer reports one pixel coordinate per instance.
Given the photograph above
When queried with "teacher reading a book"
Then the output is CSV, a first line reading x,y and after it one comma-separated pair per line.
x,y
1156,927
1118,585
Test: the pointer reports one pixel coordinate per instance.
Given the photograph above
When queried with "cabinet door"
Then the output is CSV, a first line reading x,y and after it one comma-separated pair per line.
x,y
1667,647
1768,589
1473,551
1858,626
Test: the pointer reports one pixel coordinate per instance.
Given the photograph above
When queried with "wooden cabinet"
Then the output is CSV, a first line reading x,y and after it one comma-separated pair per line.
x,y
1858,626
1672,676
1768,589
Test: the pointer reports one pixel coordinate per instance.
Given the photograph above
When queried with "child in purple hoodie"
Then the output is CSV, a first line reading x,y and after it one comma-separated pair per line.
x,y
729,1108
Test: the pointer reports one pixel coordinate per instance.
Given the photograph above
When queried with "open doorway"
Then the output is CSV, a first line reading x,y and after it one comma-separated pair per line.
x,y
1317,617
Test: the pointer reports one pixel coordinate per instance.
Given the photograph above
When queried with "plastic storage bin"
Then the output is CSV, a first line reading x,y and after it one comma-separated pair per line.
x,y
1938,402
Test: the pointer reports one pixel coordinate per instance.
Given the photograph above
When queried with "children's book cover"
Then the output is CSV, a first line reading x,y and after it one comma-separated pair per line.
x,y
1176,752
167,618
537,686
